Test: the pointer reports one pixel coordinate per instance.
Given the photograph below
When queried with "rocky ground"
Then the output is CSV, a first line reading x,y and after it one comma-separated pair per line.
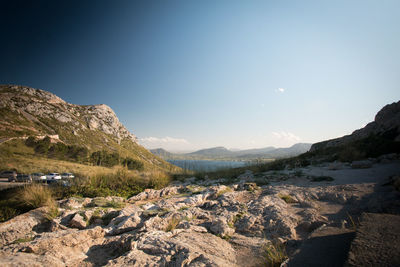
x,y
212,223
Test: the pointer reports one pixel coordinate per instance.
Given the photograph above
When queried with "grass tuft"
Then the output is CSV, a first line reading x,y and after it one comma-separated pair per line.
x,y
287,198
36,196
173,222
274,254
223,191
23,240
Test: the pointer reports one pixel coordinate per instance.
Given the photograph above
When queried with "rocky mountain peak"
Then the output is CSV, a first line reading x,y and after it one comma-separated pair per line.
x,y
37,93
102,117
45,113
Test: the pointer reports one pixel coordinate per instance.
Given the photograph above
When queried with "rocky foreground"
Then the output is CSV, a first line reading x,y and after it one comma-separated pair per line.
x,y
206,223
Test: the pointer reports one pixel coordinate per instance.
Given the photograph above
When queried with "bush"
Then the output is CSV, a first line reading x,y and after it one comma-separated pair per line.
x,y
121,183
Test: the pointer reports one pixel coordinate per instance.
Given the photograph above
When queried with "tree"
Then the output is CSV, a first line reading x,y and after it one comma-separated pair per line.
x,y
42,146
132,164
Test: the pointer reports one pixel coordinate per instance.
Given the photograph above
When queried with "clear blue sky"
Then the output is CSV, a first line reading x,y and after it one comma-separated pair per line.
x,y
194,74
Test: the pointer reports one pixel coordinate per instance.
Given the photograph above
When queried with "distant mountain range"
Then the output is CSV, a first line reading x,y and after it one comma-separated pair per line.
x,y
222,153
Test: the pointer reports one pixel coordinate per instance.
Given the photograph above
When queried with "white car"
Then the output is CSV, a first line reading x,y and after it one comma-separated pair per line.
x,y
38,176
53,176
67,175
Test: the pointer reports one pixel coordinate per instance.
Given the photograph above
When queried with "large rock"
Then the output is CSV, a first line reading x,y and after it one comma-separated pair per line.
x,y
221,228
154,194
128,219
178,248
21,226
62,248
78,221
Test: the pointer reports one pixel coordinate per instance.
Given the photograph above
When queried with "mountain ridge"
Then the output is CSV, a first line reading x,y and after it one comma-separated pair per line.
x,y
26,111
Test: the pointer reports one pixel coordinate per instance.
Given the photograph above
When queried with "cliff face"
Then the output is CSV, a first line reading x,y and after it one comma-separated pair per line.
x,y
386,124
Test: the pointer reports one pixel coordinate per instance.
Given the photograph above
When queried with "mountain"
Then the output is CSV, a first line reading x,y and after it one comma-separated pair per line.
x,y
381,136
275,153
212,152
162,153
27,112
222,153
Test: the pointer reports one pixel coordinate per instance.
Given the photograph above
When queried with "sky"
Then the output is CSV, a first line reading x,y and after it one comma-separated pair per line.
x,y
185,75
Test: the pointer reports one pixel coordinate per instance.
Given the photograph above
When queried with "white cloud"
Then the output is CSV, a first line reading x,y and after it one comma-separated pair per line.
x,y
280,90
287,137
163,142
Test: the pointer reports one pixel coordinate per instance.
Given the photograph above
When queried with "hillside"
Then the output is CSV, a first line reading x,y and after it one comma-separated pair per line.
x,y
222,153
33,112
381,136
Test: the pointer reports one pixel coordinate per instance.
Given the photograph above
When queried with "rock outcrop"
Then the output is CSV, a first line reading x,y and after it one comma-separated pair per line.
x,y
386,124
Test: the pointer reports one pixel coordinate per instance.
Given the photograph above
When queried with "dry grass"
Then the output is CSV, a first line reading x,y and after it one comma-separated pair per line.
x,y
32,164
287,198
172,224
36,196
223,191
274,254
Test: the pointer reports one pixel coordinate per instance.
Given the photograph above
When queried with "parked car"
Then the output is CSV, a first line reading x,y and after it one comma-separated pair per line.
x,y
23,177
67,175
53,176
38,176
11,175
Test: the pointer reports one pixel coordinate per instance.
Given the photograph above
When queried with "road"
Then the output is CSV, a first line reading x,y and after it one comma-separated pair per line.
x,y
4,184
